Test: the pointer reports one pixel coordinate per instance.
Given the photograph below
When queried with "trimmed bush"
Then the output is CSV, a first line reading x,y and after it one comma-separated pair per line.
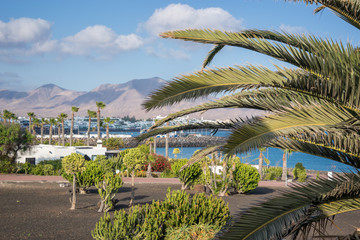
x,y
245,178
299,172
154,220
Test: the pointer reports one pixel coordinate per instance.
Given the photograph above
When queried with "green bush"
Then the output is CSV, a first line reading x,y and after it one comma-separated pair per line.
x,y
48,169
37,170
93,173
189,175
107,188
177,164
245,178
198,231
113,143
153,221
299,172
6,165
272,173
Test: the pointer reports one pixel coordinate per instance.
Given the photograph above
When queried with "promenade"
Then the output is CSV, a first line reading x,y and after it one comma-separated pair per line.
x,y
25,178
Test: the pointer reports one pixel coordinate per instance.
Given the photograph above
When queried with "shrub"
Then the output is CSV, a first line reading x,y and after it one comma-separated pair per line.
x,y
245,178
93,173
158,164
189,175
27,167
272,173
298,171
198,231
6,165
177,164
37,170
113,143
107,188
48,169
168,174
154,220
140,173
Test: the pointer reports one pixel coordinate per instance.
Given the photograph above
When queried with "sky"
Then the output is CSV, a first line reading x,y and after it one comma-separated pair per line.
x,y
79,45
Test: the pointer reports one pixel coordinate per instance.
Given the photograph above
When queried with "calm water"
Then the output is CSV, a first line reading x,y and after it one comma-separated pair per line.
x,y
273,154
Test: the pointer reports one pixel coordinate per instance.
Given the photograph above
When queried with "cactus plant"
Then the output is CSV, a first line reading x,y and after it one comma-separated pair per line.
x,y
152,221
107,189
189,175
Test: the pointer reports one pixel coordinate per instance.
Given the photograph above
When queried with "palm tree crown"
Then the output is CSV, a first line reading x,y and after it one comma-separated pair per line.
x,y
313,107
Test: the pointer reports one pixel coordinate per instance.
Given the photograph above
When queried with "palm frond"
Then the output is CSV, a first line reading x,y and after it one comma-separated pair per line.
x,y
348,10
212,54
203,125
339,146
251,136
267,99
309,53
201,154
302,205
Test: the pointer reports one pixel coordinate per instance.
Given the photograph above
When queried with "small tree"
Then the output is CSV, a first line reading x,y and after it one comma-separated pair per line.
x,y
72,164
134,159
176,151
13,140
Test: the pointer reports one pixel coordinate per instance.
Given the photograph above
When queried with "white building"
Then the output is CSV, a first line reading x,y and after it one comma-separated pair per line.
x,y
43,152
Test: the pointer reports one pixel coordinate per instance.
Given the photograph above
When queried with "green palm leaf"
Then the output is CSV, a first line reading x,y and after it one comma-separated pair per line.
x,y
317,200
251,136
348,10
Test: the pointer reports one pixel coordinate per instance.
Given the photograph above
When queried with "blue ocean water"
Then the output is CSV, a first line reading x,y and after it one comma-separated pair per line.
x,y
273,154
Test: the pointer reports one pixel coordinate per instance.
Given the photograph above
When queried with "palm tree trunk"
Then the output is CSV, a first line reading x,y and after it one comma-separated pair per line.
x,y
107,132
284,173
167,144
261,158
50,134
42,134
88,132
155,144
29,124
98,124
59,133
63,133
71,128
73,201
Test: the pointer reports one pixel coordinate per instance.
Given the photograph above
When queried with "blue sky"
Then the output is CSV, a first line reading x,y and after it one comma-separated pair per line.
x,y
79,45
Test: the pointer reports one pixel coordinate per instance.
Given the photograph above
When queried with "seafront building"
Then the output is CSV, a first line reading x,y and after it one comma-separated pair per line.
x,y
43,152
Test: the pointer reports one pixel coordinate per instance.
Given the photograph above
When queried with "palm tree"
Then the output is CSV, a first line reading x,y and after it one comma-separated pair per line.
x,y
91,114
313,108
62,117
42,122
58,125
73,111
36,123
31,116
99,105
52,122
107,122
261,159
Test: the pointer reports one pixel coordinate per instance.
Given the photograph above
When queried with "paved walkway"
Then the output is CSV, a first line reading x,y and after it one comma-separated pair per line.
x,y
18,178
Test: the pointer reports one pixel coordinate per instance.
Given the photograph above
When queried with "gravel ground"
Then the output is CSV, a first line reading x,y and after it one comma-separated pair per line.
x,y
40,210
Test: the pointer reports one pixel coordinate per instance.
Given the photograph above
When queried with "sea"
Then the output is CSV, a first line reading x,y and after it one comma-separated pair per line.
x,y
274,155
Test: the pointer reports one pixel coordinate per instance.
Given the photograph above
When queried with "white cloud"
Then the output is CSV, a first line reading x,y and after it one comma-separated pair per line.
x,y
293,29
23,31
100,39
169,53
182,16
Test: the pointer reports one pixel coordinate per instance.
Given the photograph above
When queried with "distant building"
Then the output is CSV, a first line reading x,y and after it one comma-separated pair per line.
x,y
43,152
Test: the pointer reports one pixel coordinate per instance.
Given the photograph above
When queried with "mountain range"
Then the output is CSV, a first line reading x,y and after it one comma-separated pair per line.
x,y
121,100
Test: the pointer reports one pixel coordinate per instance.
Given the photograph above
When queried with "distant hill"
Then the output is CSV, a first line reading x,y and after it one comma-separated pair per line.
x,y
121,99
